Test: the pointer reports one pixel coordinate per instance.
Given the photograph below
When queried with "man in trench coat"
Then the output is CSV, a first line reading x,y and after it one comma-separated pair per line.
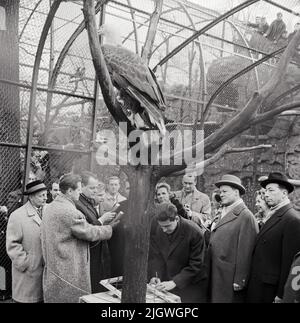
x,y
23,245
231,244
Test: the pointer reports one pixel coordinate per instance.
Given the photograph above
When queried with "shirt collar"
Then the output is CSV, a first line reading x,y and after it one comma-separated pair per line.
x,y
285,202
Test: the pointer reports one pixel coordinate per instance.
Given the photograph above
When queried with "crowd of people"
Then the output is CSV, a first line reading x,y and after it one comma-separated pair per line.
x,y
276,33
200,249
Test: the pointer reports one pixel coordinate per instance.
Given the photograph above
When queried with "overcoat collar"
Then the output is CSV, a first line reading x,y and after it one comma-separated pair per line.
x,y
32,213
275,218
231,215
162,239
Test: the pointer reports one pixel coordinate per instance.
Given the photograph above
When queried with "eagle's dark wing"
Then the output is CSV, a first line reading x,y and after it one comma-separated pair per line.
x,y
131,75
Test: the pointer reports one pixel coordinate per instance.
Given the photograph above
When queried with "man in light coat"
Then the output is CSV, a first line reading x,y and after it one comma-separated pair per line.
x,y
65,243
112,197
23,245
196,203
231,244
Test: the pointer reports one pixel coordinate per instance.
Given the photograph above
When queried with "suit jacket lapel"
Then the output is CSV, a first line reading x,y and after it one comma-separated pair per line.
x,y
231,215
275,218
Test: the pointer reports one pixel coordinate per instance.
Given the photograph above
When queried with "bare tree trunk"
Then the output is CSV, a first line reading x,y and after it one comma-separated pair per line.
x,y
9,100
138,224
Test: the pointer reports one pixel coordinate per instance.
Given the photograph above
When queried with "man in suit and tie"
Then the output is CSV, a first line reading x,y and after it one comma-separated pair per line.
x,y
231,244
99,252
175,256
277,243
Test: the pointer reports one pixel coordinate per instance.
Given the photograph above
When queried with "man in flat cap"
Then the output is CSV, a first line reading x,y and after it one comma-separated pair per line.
x,y
23,245
231,244
277,243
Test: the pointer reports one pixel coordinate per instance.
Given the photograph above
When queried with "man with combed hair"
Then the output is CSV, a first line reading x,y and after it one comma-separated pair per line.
x,y
277,243
65,243
231,244
175,258
196,203
112,197
99,252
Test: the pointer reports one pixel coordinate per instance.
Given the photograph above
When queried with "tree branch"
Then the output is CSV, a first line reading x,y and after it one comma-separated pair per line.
x,y
243,120
226,149
284,94
295,182
103,76
271,114
154,20
132,13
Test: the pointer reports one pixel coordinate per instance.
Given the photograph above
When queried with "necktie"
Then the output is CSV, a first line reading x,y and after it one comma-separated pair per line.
x,y
39,211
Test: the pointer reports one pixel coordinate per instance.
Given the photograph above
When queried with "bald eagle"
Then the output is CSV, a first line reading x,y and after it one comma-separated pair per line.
x,y
139,93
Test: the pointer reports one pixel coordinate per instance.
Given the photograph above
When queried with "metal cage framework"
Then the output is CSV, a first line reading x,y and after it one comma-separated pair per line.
x,y
49,49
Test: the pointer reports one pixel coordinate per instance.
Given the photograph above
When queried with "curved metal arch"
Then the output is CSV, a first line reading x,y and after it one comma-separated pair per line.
x,y
204,29
237,75
34,83
30,16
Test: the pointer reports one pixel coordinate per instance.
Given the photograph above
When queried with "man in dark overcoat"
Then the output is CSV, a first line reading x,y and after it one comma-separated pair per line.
x,y
277,243
175,258
99,252
231,244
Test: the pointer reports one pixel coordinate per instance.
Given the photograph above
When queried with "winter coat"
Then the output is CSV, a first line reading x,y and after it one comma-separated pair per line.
x,y
23,245
230,249
65,242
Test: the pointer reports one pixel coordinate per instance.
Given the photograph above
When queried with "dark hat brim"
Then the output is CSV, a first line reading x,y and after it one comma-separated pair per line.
x,y
287,185
35,190
241,188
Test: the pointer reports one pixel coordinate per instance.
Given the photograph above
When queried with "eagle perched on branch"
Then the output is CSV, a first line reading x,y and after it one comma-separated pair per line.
x,y
135,83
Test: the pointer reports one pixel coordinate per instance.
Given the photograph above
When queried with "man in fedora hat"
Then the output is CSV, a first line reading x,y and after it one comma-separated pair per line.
x,y
277,243
23,245
231,244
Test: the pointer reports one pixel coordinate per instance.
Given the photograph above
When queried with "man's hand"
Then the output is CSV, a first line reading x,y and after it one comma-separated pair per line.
x,y
188,210
166,286
237,287
116,220
277,300
107,217
154,281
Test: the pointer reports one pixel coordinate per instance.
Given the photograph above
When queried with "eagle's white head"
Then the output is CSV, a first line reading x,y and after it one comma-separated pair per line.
x,y
110,34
